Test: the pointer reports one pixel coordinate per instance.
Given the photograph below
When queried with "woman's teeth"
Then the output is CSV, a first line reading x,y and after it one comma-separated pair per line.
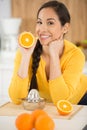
x,y
44,36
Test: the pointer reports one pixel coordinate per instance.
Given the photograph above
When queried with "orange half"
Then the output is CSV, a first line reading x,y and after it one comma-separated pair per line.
x,y
26,39
64,107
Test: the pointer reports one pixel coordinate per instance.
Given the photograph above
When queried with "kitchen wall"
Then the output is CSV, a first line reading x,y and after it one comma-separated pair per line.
x,y
5,9
27,9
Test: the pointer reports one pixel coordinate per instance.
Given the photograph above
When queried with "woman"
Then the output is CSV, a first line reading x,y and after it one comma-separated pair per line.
x,y
52,65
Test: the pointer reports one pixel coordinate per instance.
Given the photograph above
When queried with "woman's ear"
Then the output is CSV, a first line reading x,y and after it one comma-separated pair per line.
x,y
66,28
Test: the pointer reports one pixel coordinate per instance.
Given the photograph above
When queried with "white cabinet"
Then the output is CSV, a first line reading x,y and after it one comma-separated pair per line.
x,y
6,75
6,71
0,84
85,68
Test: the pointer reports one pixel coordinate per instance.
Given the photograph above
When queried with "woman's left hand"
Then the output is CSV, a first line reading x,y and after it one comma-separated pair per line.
x,y
56,47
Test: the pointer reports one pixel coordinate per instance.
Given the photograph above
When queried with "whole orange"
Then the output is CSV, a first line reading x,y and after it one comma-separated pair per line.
x,y
36,113
24,121
44,122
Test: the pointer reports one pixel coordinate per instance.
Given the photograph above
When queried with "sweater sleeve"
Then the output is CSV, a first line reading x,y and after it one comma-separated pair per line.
x,y
18,87
64,86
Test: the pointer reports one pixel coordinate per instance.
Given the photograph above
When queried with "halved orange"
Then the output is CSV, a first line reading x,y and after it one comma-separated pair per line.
x,y
26,39
64,107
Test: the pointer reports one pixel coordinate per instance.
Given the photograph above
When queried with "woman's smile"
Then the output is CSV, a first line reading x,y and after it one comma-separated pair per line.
x,y
44,37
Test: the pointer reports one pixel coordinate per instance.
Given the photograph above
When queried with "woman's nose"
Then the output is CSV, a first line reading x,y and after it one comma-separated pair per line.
x,y
43,27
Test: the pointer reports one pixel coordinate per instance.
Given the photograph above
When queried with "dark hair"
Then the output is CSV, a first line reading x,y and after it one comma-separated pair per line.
x,y
35,63
59,8
64,17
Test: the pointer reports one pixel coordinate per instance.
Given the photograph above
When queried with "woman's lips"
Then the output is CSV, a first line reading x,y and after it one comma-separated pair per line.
x,y
44,37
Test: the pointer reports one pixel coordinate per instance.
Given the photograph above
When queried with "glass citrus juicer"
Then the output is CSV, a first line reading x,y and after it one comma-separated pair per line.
x,y
33,101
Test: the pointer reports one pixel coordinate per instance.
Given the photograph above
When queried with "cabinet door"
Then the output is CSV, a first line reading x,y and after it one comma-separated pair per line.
x,y
0,83
6,79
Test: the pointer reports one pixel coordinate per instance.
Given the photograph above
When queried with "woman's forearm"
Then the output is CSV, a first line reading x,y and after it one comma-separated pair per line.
x,y
24,66
55,70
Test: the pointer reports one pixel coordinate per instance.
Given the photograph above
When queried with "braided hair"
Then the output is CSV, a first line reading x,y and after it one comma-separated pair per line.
x,y
35,63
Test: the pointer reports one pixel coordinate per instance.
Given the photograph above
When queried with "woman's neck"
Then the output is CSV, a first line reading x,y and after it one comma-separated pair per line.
x,y
45,51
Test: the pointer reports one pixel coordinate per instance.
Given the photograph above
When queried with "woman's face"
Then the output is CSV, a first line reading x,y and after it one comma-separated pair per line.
x,y
48,26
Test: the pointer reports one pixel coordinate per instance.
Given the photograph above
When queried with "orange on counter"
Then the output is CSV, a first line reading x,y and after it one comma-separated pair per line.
x,y
38,112
26,39
64,107
44,122
24,121
38,119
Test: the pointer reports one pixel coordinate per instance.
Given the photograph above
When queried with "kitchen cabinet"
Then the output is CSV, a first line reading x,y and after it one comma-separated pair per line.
x,y
6,75
6,70
85,69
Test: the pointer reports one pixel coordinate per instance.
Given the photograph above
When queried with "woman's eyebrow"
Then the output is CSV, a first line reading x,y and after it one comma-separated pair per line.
x,y
51,19
47,19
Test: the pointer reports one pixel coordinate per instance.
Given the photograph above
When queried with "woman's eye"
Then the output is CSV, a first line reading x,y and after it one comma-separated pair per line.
x,y
39,22
50,23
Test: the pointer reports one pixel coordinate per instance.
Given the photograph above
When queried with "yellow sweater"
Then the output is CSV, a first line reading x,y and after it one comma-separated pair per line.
x,y
71,85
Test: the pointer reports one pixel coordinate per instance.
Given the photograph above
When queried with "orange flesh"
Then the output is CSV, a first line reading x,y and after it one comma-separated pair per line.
x,y
65,106
26,39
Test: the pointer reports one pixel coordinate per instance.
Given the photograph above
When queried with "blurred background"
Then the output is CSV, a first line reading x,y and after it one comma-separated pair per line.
x,y
17,16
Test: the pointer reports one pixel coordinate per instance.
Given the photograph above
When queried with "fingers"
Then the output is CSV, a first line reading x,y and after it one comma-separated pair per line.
x,y
61,37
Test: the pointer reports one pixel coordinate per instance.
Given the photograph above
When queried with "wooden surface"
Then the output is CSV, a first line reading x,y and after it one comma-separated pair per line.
x,y
10,109
27,10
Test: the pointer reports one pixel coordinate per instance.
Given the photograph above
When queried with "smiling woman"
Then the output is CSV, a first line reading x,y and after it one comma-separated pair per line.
x,y
51,64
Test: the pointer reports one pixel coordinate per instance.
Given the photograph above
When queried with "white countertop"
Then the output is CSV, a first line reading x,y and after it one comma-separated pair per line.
x,y
8,123
76,123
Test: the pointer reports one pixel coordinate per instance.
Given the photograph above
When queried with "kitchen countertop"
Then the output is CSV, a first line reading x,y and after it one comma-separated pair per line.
x,y
77,122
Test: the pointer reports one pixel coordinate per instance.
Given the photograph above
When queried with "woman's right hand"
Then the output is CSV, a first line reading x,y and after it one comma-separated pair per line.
x,y
27,51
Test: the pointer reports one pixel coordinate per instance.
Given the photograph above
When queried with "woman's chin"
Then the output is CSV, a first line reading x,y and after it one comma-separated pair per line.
x,y
44,43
